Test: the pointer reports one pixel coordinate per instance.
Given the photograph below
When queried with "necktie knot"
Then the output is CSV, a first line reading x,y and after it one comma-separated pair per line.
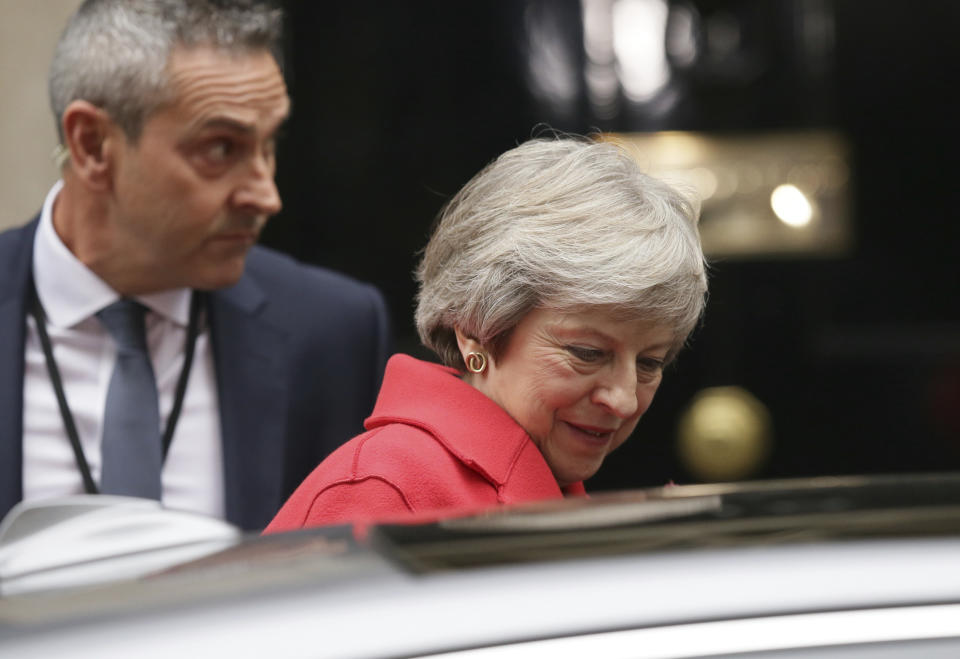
x,y
124,319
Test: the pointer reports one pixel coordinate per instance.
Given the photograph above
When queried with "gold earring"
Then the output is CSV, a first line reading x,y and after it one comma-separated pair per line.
x,y
476,362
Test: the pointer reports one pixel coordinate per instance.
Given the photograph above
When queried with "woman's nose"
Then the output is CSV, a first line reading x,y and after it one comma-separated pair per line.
x,y
618,393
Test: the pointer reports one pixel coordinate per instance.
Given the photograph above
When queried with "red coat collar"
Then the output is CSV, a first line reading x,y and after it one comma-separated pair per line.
x,y
434,398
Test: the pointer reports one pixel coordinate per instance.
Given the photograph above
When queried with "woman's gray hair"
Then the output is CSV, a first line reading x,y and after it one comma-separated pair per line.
x,y
568,224
114,53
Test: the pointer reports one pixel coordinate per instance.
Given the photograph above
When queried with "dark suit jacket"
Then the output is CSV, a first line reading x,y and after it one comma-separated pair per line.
x,y
299,354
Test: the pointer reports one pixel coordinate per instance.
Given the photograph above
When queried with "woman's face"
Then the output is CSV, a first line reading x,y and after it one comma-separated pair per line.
x,y
577,383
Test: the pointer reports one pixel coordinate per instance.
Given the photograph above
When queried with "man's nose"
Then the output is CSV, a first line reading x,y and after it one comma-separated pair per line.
x,y
258,193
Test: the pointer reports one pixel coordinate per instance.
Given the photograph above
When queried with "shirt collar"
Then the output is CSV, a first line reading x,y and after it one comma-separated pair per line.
x,y
70,292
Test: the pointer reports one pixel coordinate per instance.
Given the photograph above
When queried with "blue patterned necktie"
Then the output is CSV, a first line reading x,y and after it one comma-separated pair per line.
x,y
131,452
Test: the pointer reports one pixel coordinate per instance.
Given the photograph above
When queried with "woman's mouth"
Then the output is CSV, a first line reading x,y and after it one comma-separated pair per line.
x,y
592,433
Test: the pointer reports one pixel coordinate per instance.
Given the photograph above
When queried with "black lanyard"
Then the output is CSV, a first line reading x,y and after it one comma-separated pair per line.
x,y
193,330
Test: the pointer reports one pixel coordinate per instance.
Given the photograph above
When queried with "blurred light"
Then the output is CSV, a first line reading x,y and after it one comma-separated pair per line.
x,y
808,177
724,434
552,69
639,41
681,38
735,175
791,205
815,34
598,30
674,147
727,181
705,181
723,34
603,86
751,178
602,90
836,173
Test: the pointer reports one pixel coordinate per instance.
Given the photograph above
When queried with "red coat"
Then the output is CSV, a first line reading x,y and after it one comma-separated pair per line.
x,y
434,444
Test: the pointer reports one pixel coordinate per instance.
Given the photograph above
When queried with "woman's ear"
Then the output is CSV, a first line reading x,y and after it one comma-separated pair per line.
x,y
88,134
475,358
466,344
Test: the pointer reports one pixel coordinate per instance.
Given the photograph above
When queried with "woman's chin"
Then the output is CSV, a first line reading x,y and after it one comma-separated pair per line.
x,y
570,469
575,454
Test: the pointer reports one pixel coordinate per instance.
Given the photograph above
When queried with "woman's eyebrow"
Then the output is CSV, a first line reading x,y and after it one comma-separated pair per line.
x,y
592,331
582,330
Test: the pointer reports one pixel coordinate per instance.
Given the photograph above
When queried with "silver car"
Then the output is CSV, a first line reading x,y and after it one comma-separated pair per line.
x,y
830,567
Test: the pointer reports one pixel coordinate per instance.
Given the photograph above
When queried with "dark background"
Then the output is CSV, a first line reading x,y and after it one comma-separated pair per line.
x,y
396,105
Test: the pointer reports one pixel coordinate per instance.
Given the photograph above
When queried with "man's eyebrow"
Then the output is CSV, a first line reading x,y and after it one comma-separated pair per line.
x,y
228,124
237,126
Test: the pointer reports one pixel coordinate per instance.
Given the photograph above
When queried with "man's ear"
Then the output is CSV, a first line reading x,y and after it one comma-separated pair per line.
x,y
89,133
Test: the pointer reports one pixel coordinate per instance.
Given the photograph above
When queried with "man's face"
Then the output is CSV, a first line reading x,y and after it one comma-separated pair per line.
x,y
192,194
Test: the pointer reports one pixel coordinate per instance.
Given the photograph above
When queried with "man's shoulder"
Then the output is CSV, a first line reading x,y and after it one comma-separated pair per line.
x,y
315,297
16,253
274,269
14,236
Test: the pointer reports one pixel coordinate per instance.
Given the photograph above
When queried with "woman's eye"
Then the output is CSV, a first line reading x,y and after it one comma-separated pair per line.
x,y
649,367
585,354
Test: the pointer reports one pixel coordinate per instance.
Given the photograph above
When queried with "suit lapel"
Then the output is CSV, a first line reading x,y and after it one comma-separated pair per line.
x,y
16,258
250,360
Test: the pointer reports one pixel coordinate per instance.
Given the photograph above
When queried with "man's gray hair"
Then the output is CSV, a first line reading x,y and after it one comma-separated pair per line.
x,y
566,224
114,53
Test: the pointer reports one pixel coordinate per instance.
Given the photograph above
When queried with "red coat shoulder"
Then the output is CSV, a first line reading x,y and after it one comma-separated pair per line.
x,y
389,472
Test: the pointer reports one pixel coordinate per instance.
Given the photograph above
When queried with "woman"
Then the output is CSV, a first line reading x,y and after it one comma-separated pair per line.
x,y
557,285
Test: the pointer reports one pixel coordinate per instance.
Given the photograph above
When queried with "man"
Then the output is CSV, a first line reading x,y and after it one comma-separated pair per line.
x,y
168,112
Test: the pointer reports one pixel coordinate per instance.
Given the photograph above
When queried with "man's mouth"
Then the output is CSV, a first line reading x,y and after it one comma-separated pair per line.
x,y
243,227
250,236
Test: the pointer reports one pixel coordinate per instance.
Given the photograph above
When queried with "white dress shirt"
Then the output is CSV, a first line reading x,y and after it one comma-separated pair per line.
x,y
71,295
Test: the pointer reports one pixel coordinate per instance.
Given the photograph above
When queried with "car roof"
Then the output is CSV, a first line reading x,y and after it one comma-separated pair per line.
x,y
712,553
758,513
